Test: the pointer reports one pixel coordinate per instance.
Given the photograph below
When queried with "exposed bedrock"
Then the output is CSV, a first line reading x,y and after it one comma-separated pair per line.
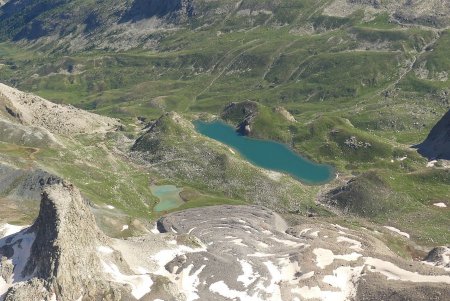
x,y
437,144
211,253
253,255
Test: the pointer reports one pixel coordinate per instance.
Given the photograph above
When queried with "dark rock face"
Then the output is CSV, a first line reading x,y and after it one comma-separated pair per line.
x,y
21,12
13,113
143,9
437,144
242,113
439,256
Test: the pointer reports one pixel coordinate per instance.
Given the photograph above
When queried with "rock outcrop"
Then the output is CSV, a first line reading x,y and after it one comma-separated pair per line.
x,y
21,184
57,255
440,257
33,111
431,13
437,144
242,113
144,9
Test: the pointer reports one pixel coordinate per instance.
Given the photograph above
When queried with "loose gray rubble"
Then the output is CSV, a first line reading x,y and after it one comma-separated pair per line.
x,y
32,110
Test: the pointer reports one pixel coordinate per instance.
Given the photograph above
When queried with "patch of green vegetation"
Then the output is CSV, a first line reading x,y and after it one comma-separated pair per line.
x,y
206,200
337,76
368,195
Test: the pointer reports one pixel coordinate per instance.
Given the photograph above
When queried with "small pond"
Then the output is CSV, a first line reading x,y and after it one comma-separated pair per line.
x,y
168,195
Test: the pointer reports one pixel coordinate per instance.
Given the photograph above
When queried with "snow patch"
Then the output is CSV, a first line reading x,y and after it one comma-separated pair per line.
x,y
222,289
393,272
238,242
21,243
155,229
189,283
140,284
326,257
286,242
356,245
163,257
314,234
3,287
431,163
249,276
105,250
397,231
344,279
441,205
340,227
7,230
307,292
259,254
305,230
124,227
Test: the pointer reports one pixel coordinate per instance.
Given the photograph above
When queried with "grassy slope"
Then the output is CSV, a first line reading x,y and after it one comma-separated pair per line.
x,y
338,82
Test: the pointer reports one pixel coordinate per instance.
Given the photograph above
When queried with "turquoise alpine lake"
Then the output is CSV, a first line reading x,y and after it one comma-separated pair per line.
x,y
168,195
267,154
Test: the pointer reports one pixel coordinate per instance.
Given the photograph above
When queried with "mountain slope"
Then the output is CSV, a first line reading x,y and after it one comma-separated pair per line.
x,y
437,144
252,254
79,25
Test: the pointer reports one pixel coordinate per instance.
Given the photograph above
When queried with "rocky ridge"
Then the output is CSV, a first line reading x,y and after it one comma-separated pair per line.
x,y
33,111
431,13
242,113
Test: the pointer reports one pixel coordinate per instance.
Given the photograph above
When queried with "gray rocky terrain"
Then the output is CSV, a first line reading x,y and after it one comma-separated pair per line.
x,y
123,24
21,184
50,118
437,144
212,253
430,13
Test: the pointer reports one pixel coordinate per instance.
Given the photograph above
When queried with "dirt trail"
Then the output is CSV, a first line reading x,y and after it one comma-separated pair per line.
x,y
226,68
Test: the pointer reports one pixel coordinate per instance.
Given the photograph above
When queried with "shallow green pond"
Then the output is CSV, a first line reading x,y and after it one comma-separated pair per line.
x,y
267,154
168,195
